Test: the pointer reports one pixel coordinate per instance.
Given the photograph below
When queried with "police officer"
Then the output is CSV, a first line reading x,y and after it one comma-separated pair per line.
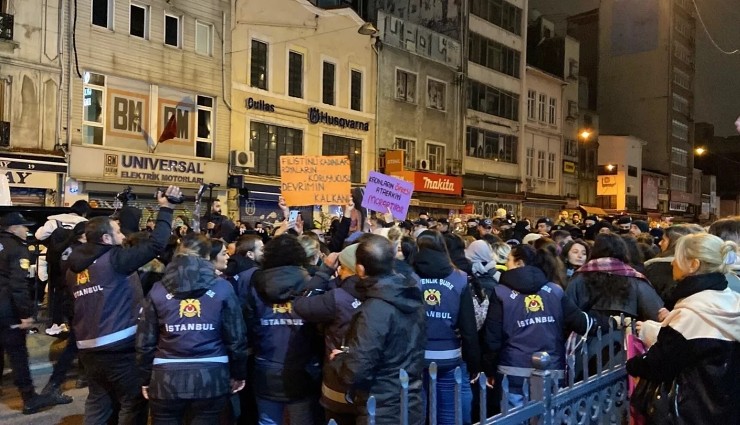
x,y
452,338
16,307
108,298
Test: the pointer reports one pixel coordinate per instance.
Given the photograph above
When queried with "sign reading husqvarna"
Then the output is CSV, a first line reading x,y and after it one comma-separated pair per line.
x,y
316,116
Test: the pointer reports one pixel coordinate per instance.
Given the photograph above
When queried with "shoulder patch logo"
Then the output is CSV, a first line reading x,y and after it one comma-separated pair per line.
x,y
190,308
83,277
282,308
432,297
25,263
533,303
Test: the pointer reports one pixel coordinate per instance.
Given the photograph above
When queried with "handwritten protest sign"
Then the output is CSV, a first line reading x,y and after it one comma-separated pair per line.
x,y
315,180
383,192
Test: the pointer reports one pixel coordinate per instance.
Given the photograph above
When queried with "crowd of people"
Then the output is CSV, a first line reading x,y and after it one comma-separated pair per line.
x,y
236,324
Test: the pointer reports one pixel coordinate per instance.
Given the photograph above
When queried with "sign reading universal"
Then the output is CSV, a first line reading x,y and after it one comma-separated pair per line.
x,y
316,116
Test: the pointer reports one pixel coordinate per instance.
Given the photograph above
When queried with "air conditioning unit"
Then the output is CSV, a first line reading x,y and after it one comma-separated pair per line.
x,y
422,164
244,159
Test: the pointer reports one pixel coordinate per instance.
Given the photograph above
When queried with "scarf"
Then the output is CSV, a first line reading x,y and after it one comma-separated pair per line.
x,y
610,265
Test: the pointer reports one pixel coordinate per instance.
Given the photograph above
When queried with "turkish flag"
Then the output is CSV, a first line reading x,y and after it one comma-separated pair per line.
x,y
170,130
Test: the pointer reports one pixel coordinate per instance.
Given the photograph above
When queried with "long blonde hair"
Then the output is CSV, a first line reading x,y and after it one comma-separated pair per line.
x,y
714,254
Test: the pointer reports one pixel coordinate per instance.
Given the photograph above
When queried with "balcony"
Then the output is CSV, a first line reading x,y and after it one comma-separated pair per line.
x,y
4,134
6,26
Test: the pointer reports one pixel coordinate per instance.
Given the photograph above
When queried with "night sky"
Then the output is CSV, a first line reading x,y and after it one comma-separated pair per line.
x,y
717,86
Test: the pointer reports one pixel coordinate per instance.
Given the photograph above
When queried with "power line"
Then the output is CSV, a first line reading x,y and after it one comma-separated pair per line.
x,y
701,20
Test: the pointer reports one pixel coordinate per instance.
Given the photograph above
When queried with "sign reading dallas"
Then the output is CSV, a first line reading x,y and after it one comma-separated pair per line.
x,y
315,116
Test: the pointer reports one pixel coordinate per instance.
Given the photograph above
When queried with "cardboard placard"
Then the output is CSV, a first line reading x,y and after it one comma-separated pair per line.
x,y
315,180
383,192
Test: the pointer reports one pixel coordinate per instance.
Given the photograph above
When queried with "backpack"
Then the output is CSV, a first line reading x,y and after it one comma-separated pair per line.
x,y
59,240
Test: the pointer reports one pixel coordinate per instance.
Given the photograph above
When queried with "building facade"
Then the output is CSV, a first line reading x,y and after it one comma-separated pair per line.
x,y
620,173
303,83
646,79
31,63
135,69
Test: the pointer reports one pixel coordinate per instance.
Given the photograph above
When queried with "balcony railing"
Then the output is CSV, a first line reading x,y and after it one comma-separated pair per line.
x,y
4,134
6,26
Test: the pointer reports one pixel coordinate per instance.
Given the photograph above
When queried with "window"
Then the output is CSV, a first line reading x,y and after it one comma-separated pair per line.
x,y
295,74
355,101
500,13
258,65
678,182
204,137
351,148
327,83
551,166
680,104
682,53
541,107
571,147
405,86
494,55
436,94
682,27
680,130
530,162
572,109
139,21
681,79
102,13
93,109
409,146
436,157
172,30
531,105
541,164
573,69
486,144
203,38
632,171
492,100
551,113
679,156
269,143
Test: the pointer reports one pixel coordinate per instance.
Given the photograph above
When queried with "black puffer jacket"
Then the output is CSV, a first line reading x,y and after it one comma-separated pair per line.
x,y
388,333
190,277
659,272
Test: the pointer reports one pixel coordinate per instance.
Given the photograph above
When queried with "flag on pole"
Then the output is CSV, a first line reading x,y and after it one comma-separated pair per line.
x,y
170,130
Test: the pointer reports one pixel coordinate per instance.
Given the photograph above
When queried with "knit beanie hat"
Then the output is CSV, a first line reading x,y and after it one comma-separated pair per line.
x,y
348,257
642,225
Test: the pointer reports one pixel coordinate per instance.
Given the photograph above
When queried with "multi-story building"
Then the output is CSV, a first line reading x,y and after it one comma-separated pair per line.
x,y
303,83
620,173
31,63
541,145
496,101
131,67
646,78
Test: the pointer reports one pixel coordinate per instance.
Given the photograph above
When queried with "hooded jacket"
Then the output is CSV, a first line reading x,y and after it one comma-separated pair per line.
x,y
431,264
698,349
285,356
164,336
68,220
388,333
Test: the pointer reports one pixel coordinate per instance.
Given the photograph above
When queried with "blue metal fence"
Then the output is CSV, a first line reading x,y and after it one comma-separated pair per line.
x,y
599,397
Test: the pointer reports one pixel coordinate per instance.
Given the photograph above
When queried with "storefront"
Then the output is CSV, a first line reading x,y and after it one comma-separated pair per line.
x,y
34,180
485,195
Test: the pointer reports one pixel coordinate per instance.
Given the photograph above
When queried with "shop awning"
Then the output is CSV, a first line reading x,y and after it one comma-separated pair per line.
x,y
441,202
593,210
262,192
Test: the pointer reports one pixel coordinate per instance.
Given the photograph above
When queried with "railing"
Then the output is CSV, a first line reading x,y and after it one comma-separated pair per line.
x,y
6,26
4,134
599,398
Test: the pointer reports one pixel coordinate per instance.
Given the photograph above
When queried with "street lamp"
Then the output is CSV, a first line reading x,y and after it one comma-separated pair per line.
x,y
585,134
610,167
700,151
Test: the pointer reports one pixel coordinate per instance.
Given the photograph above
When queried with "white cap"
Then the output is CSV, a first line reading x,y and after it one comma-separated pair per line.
x,y
530,238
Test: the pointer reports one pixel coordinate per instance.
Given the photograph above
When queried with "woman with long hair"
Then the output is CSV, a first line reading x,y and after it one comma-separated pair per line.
x,y
452,336
218,255
191,339
575,254
659,270
697,353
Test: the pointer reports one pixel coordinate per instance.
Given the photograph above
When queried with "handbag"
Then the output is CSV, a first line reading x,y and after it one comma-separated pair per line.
x,y
481,310
653,400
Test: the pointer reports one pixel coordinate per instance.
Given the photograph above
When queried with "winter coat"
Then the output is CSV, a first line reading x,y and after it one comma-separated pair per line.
x,y
15,300
387,334
190,278
641,301
698,346
659,272
431,264
239,272
68,221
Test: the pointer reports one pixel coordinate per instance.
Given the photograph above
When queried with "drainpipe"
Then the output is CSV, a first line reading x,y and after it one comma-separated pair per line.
x,y
223,59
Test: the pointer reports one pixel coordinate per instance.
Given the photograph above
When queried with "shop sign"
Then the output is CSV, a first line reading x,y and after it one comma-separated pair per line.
x,y
433,183
418,40
260,105
569,167
31,179
394,160
316,116
679,196
650,192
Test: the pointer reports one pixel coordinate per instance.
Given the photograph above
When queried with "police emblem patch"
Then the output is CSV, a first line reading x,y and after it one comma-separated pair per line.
x,y
533,303
83,277
282,308
190,308
25,263
432,297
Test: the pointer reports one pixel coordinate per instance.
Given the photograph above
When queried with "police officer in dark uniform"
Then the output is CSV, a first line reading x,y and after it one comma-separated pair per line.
x,y
16,307
108,297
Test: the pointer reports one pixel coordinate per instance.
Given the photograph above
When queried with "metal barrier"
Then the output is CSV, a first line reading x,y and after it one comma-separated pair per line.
x,y
600,397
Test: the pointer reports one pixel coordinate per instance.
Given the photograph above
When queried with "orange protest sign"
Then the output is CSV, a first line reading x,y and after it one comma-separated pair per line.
x,y
315,180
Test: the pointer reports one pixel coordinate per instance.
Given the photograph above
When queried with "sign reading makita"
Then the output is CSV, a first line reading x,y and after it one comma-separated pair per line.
x,y
432,183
